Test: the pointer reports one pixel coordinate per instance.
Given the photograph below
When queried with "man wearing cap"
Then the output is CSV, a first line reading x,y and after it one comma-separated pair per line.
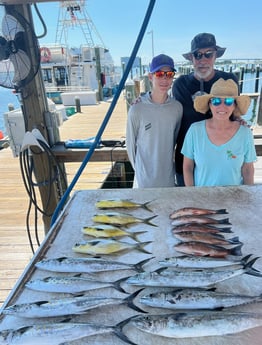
x,y
153,123
203,54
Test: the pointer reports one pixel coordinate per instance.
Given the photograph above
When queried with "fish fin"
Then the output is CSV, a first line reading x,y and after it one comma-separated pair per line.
x,y
234,240
117,284
147,220
250,270
68,319
245,259
146,207
62,258
139,266
236,250
134,235
38,303
224,221
118,331
253,272
78,275
161,269
227,230
222,211
130,301
140,247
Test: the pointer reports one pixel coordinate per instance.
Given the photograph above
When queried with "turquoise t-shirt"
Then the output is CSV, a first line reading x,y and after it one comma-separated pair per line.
x,y
218,165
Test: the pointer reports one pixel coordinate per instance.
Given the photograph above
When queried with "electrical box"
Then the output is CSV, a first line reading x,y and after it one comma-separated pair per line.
x,y
15,128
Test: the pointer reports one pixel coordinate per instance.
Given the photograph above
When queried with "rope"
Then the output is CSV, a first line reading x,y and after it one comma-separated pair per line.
x,y
109,112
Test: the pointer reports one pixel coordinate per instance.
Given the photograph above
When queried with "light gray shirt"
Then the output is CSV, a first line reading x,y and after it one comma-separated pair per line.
x,y
150,140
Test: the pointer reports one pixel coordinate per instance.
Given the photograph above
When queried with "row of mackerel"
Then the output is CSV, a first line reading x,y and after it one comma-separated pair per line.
x,y
164,276
196,298
176,325
68,306
87,265
57,333
188,277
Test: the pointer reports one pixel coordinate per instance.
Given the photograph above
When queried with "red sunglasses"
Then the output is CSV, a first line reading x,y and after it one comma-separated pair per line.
x,y
162,74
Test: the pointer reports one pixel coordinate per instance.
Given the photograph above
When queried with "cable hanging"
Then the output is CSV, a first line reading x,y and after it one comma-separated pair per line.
x,y
27,170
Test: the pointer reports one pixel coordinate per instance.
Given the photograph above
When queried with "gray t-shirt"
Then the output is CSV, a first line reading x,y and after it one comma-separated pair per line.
x,y
150,139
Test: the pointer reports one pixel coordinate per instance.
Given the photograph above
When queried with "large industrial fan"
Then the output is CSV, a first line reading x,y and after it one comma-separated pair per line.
x,y
18,65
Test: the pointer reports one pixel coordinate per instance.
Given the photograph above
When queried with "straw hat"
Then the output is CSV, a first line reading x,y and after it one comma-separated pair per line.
x,y
223,88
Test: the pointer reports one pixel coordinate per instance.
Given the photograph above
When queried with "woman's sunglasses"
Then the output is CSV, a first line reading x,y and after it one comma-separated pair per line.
x,y
161,74
208,55
228,101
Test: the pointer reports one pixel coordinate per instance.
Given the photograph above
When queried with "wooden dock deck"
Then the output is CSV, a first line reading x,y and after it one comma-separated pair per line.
x,y
14,245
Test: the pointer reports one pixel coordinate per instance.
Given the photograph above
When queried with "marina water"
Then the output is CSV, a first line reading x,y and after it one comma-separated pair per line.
x,y
8,97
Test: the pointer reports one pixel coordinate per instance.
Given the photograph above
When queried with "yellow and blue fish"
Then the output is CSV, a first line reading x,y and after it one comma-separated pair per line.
x,y
109,231
118,219
108,246
121,203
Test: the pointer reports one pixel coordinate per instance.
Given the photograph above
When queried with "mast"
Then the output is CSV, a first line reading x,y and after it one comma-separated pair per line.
x,y
74,15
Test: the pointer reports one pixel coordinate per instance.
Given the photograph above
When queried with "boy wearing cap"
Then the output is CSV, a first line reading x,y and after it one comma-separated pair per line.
x,y
153,123
203,54
219,151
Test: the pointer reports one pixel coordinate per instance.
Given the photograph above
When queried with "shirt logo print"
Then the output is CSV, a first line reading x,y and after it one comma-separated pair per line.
x,y
230,154
148,126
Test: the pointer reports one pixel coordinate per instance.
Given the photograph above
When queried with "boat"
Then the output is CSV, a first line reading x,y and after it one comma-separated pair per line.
x,y
83,71
70,72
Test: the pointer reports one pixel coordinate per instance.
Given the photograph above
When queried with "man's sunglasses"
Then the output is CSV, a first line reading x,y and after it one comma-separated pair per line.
x,y
207,55
161,74
228,101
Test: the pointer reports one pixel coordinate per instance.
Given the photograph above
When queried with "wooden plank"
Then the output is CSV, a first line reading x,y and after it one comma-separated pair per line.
x,y
103,154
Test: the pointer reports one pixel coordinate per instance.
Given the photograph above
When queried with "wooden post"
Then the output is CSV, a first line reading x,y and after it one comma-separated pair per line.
x,y
98,73
259,113
257,78
35,108
241,79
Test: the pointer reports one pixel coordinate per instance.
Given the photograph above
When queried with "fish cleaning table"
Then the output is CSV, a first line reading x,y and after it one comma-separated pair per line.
x,y
243,205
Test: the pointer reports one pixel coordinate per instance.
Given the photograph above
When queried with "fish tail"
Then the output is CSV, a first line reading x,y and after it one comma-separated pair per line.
x,y
245,259
234,240
118,331
140,247
236,250
222,211
224,221
226,230
147,220
250,270
130,301
134,235
139,266
117,285
146,207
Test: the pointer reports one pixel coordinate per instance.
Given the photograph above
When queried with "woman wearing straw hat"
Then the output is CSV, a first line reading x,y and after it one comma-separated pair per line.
x,y
219,151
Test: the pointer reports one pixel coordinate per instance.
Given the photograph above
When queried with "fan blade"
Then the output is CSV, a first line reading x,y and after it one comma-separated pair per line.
x,y
10,27
3,49
22,66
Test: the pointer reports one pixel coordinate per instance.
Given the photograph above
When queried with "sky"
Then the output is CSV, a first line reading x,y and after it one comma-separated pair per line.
x,y
236,24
